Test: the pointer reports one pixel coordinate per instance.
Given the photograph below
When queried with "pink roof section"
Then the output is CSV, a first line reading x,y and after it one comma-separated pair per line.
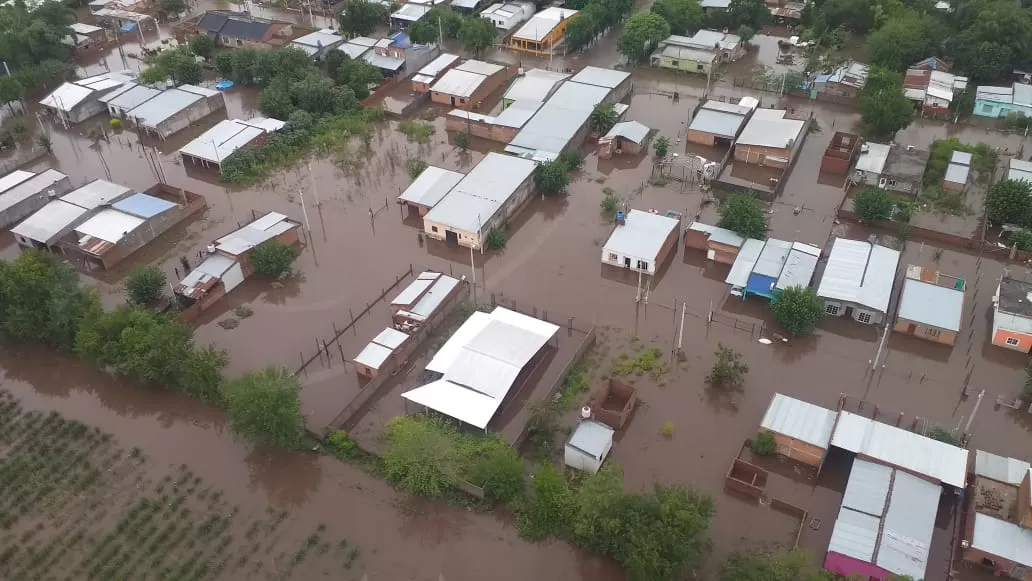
x,y
848,567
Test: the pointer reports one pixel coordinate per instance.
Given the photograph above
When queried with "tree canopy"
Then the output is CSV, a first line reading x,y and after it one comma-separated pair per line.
x,y
641,34
144,285
798,309
873,205
1010,202
422,32
884,108
361,17
476,34
265,406
794,566
742,214
203,46
684,16
552,177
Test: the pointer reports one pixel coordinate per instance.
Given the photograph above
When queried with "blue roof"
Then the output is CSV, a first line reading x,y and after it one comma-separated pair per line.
x,y
400,40
821,78
761,284
128,27
143,206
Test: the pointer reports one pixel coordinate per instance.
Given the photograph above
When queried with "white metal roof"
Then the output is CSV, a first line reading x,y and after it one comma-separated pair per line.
x,y
908,525
1003,539
550,130
761,132
481,193
517,114
161,107
434,67
873,160
799,266
458,83
214,266
1020,170
390,337
771,261
957,173
931,304
83,28
855,535
719,123
49,221
687,53
319,40
716,4
373,355
444,357
1007,470
416,288
799,420
743,265
641,236
431,301
431,185
14,178
69,95
995,94
630,130
96,194
452,400
706,39
901,448
480,67
411,12
109,225
744,106
29,188
961,157
542,23
132,96
219,142
261,230
534,85
867,489
718,234
591,437
859,272
600,77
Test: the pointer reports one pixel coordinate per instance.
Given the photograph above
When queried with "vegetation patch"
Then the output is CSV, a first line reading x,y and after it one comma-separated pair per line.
x,y
983,159
418,131
643,362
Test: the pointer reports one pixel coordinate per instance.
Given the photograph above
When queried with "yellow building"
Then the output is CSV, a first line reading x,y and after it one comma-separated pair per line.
x,y
543,31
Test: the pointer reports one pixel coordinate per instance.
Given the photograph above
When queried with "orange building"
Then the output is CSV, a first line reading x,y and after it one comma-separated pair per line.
x,y
542,32
1012,315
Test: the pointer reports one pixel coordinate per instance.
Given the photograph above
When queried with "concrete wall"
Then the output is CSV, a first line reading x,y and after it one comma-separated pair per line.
x,y
684,65
1024,342
926,332
838,309
481,129
994,110
758,155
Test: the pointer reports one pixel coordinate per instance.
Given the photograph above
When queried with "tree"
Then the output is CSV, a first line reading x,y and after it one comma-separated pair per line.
x,y
683,16
180,64
898,44
422,32
421,456
201,374
448,21
581,31
794,566
873,205
661,146
173,7
547,511
603,117
273,259
641,34
764,444
477,34
1020,239
203,46
10,91
552,177
742,213
275,101
498,469
728,371
752,13
1010,202
798,309
884,109
265,406
144,285
416,167
153,74
462,140
746,33
359,75
40,301
361,17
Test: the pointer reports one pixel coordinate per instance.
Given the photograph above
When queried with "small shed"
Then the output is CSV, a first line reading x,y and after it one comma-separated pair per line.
x,y
588,446
387,345
721,245
626,137
801,429
957,172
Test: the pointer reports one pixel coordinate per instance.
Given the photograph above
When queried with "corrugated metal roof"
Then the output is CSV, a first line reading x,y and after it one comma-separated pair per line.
x,y
999,468
109,225
320,40
687,53
353,49
995,94
799,420
413,291
480,67
542,23
49,221
265,228
29,188
455,401
1020,170
1023,94
762,132
14,178
873,160
383,61
534,85
631,131
718,234
855,535
559,119
481,193
719,123
162,107
738,276
961,157
444,357
799,266
931,304
431,185
608,78
95,194
491,377
143,205
707,39
226,137
390,337
373,355
772,260
132,96
433,298
957,173
434,67
69,95
517,114
1003,539
458,83
899,447
867,489
859,272
204,275
641,236
592,438
908,525
411,12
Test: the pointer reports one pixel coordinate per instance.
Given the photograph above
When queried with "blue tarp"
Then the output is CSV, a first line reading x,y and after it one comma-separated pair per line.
x,y
224,85
143,205
760,285
128,27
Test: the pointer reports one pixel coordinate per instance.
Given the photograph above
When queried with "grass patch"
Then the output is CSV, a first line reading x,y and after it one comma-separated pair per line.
x,y
418,131
575,383
643,362
983,160
939,201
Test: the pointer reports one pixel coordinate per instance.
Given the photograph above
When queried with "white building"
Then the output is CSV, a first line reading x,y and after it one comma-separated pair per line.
x,y
588,446
319,43
43,229
77,101
213,146
172,110
509,15
22,193
533,85
428,189
642,242
858,280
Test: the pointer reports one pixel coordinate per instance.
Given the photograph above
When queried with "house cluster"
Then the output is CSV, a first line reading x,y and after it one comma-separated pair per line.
x,y
932,86
698,53
117,16
998,531
231,29
845,82
95,226
766,137
466,85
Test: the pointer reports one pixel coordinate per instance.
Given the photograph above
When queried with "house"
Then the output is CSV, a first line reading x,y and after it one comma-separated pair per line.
x,y
113,233
97,6
1019,170
768,138
698,53
996,102
957,172
641,241
482,364
24,192
891,167
409,13
318,44
845,82
721,245
47,226
357,47
719,123
85,37
491,193
533,85
429,74
428,189
858,280
175,109
543,31
588,446
509,15
228,262
998,532
932,90
386,347
468,84
465,6
801,430
126,21
710,6
231,29
766,267
618,83
212,147
77,101
789,13
885,524
396,53
502,127
423,299
840,153
625,137
1012,314
931,305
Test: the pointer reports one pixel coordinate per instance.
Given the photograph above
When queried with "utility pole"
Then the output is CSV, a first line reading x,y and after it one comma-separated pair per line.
x,y
304,211
978,402
473,267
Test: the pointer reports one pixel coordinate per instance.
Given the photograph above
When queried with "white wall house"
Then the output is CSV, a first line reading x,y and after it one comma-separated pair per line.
x,y
588,446
858,280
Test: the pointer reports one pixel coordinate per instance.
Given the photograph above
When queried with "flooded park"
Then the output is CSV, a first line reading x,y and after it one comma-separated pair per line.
x,y
247,511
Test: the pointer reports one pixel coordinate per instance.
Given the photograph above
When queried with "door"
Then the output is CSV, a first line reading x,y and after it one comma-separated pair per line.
x,y
453,101
451,237
911,329
627,262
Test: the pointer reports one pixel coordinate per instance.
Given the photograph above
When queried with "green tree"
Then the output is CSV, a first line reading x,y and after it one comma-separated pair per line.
x,y
462,140
360,17
742,213
581,30
752,13
144,285
661,146
498,469
873,205
10,91
683,16
764,444
552,177
884,109
603,117
728,371
265,406
422,32
153,74
421,455
359,75
496,239
746,33
203,46
275,101
273,259
447,20
476,34
548,509
1010,202
416,167
1020,239
40,300
173,6
794,566
798,309
641,34
201,374
899,44
180,64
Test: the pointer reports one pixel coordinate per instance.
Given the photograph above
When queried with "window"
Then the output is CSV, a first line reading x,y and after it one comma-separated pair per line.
x,y
673,63
700,67
240,42
864,317
932,333
463,101
433,228
831,309
643,265
892,182
987,108
1012,341
613,257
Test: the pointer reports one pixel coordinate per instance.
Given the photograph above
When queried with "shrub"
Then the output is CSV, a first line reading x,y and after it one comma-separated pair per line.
x,y
552,177
342,444
667,430
610,202
265,406
763,444
742,214
542,428
498,469
661,146
728,369
547,511
603,118
421,455
144,285
873,205
462,140
496,239
273,259
572,160
418,131
943,435
416,167
115,123
798,309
